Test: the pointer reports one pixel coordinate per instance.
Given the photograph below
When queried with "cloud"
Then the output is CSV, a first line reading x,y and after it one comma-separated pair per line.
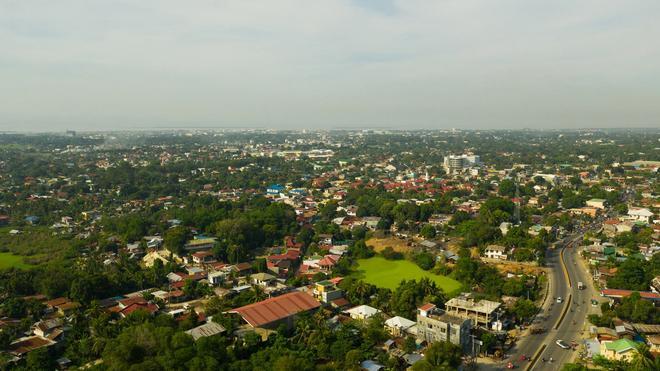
x,y
296,63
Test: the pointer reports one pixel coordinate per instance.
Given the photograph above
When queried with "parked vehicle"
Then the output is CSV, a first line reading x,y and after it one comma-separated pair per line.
x,y
581,286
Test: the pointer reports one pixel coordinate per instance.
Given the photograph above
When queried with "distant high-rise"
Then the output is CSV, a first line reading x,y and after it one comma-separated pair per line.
x,y
457,163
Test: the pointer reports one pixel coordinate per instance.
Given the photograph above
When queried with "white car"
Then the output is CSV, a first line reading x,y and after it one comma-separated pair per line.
x,y
563,344
559,300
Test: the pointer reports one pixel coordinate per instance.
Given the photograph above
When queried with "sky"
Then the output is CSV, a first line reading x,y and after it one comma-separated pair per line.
x,y
314,64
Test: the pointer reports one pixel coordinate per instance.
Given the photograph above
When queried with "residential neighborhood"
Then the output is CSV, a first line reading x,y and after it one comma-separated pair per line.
x,y
370,250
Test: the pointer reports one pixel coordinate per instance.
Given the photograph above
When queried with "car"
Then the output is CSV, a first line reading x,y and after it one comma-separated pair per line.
x,y
559,299
563,344
537,330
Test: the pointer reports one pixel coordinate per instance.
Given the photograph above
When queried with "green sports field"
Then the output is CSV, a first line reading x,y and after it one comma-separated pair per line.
x,y
8,260
388,273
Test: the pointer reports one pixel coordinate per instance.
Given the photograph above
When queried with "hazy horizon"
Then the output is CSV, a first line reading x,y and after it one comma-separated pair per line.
x,y
294,64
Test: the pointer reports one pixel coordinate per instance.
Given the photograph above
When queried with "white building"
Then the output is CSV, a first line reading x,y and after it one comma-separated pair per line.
x,y
457,163
598,203
640,214
496,252
362,312
400,326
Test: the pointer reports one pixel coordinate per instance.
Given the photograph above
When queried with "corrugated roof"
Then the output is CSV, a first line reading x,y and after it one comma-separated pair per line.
x,y
207,329
623,293
277,308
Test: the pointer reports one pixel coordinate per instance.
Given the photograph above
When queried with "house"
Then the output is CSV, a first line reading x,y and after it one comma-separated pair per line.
x,y
619,350
434,325
613,227
63,306
203,257
326,291
270,313
640,214
617,295
439,219
653,341
496,252
400,326
148,307
242,268
49,328
325,239
206,330
362,312
262,279
328,262
218,277
597,203
428,244
655,284
370,365
480,312
274,190
371,222
20,347
200,244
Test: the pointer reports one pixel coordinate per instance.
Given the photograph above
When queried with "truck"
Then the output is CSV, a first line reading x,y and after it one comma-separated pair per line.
x,y
581,286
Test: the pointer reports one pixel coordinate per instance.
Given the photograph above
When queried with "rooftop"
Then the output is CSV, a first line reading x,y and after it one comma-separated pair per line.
x,y
621,345
482,306
207,329
277,308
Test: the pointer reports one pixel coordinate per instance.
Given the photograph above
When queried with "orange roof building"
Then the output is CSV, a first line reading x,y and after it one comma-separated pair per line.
x,y
272,312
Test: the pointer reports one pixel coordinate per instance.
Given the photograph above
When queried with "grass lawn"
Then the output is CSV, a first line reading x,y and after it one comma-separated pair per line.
x,y
8,260
388,273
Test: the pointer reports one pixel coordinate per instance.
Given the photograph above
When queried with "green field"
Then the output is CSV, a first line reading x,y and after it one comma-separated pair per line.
x,y
8,260
388,273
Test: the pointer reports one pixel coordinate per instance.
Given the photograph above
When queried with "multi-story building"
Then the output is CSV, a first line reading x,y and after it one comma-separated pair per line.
x,y
434,325
480,312
457,163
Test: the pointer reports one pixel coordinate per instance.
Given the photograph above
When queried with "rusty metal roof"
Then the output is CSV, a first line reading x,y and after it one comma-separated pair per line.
x,y
277,308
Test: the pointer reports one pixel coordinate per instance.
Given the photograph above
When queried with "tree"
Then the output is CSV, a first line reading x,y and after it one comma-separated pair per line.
x,y
507,188
425,260
441,355
574,367
428,231
489,341
175,238
524,308
40,359
637,309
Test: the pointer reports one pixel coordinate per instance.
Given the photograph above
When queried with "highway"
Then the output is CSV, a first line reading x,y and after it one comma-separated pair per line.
x,y
563,283
576,310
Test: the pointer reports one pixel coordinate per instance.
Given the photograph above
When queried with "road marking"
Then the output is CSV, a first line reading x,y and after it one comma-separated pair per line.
x,y
535,358
563,266
563,314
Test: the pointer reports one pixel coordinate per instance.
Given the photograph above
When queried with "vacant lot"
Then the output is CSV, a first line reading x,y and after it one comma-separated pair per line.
x,y
8,260
388,273
397,244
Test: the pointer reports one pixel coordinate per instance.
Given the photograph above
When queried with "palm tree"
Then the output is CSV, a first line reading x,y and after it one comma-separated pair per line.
x,y
643,359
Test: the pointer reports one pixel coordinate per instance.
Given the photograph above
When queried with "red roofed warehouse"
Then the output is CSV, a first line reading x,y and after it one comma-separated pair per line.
x,y
272,312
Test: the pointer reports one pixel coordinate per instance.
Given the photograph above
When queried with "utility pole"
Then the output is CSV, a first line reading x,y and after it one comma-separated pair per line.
x,y
473,359
517,209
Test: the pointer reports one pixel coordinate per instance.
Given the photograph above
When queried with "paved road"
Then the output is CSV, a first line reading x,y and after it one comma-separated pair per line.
x,y
552,311
571,327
